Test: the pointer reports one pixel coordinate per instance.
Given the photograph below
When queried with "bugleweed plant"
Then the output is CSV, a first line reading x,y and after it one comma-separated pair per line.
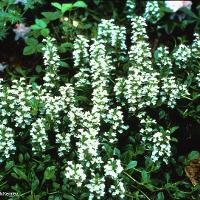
x,y
100,132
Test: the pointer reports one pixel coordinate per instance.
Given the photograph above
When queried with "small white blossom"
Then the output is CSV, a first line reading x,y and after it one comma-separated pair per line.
x,y
75,172
130,8
51,61
118,189
113,168
7,143
3,66
182,56
96,187
39,136
152,11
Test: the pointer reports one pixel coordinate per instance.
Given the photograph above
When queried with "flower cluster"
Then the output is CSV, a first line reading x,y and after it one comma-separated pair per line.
x,y
113,168
144,86
161,147
101,67
115,119
112,34
118,189
171,91
80,53
140,89
75,172
182,55
96,186
152,11
198,79
81,60
7,143
89,137
130,8
39,136
88,147
163,61
140,53
155,138
51,61
16,103
196,47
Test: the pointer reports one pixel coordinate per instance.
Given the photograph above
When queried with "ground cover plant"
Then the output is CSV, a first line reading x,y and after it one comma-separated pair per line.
x,y
111,113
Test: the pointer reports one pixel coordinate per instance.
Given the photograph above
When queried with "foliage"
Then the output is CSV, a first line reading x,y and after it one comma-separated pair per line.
x,y
11,13
42,27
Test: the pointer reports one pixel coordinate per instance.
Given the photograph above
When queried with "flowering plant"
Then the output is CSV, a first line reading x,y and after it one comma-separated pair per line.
x,y
111,124
85,142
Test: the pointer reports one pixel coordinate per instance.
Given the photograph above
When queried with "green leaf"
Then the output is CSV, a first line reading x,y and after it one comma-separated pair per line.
x,y
116,152
28,50
51,16
162,114
21,158
35,183
65,46
31,41
66,7
173,129
189,13
57,5
131,165
64,64
9,165
160,196
49,173
145,176
80,4
84,196
56,186
20,173
45,32
41,23
193,155
26,156
69,197
38,69
35,27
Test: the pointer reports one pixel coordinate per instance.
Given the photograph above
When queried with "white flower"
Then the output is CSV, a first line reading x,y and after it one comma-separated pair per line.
x,y
182,56
76,173
176,5
21,1
113,168
3,66
130,7
39,136
20,31
7,143
96,187
118,189
152,11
